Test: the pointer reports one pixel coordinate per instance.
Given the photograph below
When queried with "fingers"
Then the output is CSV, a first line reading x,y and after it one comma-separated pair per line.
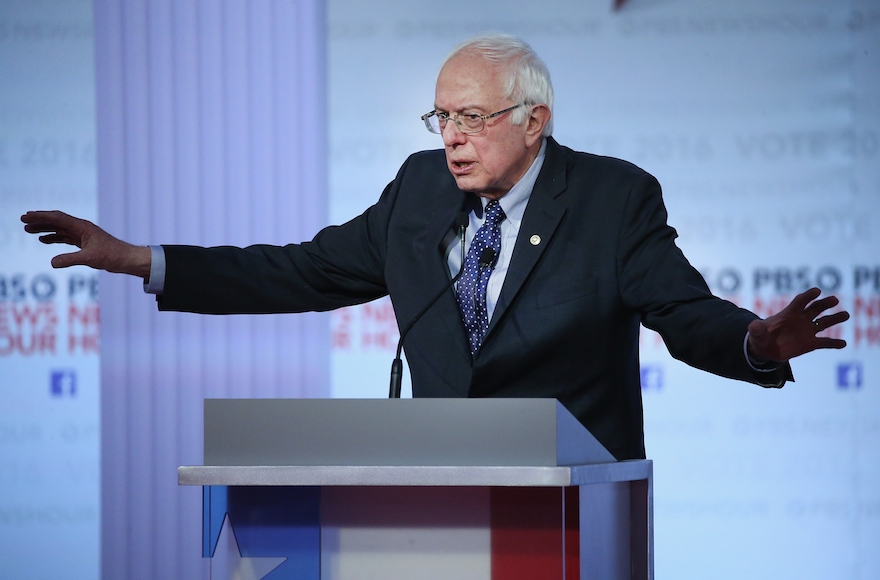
x,y
835,343
60,227
801,300
40,228
814,310
50,219
820,306
67,260
55,239
828,321
34,215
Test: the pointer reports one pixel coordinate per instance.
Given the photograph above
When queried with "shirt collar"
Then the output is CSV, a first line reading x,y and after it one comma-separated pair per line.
x,y
514,202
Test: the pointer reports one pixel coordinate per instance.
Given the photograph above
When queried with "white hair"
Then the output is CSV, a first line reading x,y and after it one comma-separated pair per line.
x,y
527,79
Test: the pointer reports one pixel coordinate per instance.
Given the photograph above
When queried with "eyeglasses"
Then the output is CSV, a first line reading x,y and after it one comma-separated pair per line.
x,y
467,123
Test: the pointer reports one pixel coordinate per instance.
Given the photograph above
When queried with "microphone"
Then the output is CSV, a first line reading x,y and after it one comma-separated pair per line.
x,y
461,222
487,258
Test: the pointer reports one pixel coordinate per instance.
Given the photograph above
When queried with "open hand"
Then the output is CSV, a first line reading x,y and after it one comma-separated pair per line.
x,y
792,331
97,248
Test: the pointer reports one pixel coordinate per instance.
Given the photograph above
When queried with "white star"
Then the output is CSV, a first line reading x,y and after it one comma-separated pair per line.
x,y
228,564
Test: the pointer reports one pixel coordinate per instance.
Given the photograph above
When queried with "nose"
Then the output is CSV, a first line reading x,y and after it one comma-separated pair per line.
x,y
452,135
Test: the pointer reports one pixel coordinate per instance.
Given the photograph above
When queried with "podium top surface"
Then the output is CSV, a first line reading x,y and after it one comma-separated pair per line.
x,y
436,476
399,432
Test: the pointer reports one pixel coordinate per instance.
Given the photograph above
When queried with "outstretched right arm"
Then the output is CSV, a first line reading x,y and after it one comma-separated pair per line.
x,y
97,248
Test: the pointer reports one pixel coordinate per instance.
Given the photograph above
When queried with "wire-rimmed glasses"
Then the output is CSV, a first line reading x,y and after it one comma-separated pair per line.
x,y
468,123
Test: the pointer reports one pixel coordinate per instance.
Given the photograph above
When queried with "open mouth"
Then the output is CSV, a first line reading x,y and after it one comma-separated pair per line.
x,y
462,165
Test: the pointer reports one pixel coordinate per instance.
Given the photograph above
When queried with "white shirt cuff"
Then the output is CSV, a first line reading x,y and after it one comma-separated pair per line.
x,y
761,367
156,282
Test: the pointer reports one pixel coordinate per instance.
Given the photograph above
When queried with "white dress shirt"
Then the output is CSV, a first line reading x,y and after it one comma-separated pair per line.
x,y
514,204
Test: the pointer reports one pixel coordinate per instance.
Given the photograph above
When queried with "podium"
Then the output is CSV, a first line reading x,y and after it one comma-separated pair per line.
x,y
488,489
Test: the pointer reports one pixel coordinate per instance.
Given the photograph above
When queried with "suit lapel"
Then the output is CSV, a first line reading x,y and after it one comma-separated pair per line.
x,y
542,216
450,202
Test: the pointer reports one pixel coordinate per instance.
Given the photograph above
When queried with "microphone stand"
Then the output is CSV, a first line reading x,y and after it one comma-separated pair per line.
x,y
461,221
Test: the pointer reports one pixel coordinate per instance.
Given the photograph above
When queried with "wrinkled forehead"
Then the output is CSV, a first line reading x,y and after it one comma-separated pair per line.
x,y
468,79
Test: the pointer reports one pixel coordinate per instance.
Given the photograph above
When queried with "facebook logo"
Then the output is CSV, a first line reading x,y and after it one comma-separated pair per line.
x,y
651,377
63,383
849,375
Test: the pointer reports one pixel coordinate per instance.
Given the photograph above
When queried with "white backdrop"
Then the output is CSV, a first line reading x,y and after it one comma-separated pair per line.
x,y
762,121
49,427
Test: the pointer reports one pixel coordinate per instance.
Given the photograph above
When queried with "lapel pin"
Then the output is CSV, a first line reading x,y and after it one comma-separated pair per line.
x,y
535,240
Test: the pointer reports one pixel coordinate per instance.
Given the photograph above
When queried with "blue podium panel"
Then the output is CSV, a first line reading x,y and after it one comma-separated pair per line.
x,y
262,532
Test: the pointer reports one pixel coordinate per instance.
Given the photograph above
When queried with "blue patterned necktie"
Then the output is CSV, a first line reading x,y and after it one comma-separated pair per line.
x,y
473,283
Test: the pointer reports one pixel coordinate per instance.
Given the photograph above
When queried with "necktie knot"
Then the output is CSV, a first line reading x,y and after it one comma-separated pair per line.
x,y
494,213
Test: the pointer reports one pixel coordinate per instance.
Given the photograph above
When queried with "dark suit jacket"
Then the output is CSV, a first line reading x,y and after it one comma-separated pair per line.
x,y
567,322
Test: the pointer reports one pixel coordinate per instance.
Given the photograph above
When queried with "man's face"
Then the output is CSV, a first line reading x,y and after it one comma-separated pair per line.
x,y
490,162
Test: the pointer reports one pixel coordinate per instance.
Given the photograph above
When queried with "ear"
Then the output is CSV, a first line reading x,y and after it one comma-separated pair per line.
x,y
537,120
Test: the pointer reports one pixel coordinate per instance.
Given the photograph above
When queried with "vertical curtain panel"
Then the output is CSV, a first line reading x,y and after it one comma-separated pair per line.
x,y
211,130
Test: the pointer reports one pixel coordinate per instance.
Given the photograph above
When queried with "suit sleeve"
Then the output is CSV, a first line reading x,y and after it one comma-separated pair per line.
x,y
672,298
343,265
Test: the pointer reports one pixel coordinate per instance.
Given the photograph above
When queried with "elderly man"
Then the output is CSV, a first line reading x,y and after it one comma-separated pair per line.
x,y
565,254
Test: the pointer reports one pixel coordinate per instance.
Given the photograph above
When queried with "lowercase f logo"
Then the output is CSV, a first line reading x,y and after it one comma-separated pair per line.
x,y
849,375
63,383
